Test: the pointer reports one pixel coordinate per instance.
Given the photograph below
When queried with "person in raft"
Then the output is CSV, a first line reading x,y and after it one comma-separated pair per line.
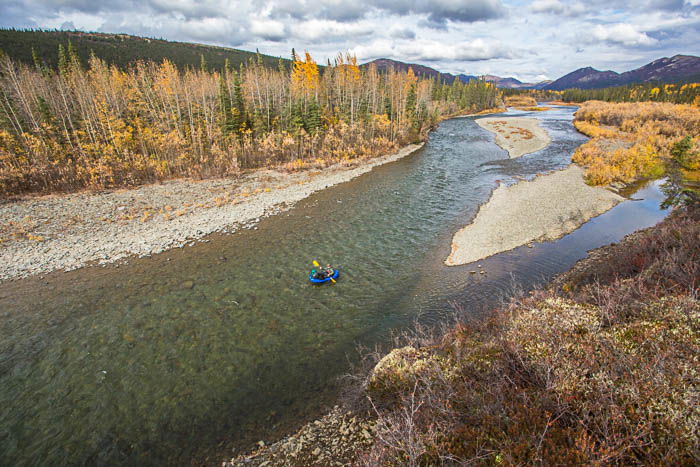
x,y
329,270
320,274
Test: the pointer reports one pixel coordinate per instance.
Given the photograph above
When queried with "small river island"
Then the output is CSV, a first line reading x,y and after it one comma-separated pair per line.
x,y
517,135
544,209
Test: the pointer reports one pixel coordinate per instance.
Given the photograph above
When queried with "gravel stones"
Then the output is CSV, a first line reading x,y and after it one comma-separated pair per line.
x,y
335,439
66,232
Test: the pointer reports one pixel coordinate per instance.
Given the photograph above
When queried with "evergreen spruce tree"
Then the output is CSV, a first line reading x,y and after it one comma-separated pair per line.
x,y
62,60
35,59
387,108
296,119
411,102
312,117
228,124
238,104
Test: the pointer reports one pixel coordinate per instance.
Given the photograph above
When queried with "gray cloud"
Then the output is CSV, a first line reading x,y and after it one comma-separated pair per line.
x,y
402,33
13,14
466,36
436,11
440,11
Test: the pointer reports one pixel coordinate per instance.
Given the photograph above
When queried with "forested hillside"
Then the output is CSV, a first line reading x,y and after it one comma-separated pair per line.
x,y
119,49
102,126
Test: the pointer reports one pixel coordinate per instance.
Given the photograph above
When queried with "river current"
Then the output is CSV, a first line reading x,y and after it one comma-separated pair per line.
x,y
185,354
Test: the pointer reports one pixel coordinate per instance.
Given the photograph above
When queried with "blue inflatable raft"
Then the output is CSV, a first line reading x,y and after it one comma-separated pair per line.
x,y
335,275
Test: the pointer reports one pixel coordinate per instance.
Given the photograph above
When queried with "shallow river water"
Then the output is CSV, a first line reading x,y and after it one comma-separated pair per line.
x,y
184,354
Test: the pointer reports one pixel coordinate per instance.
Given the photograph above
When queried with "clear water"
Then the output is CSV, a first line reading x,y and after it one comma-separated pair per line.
x,y
184,354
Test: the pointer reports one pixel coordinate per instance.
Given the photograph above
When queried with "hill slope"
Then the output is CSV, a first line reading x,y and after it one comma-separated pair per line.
x,y
674,69
119,49
384,64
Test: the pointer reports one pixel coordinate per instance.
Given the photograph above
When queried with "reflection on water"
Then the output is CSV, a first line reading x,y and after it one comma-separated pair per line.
x,y
183,353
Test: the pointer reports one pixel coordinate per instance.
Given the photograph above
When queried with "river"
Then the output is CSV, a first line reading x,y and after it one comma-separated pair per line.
x,y
189,353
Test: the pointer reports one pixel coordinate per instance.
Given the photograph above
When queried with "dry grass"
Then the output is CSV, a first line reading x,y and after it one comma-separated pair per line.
x,y
534,109
632,141
520,101
601,370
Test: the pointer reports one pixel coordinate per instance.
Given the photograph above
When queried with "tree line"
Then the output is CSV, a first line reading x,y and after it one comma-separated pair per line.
x,y
687,93
100,125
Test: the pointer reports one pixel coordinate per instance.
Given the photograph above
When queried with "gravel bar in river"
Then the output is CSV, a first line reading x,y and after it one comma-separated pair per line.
x,y
517,135
544,209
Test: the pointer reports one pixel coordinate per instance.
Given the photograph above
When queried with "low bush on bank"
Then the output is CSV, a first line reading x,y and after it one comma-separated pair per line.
x,y
632,141
600,368
520,100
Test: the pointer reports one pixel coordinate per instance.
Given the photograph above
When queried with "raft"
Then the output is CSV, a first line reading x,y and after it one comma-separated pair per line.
x,y
335,275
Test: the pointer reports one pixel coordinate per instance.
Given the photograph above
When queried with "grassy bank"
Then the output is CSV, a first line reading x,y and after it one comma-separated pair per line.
x,y
632,141
601,367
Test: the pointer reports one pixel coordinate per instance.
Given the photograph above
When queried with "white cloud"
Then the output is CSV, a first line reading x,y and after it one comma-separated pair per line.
x,y
622,33
268,29
330,30
557,7
547,6
433,51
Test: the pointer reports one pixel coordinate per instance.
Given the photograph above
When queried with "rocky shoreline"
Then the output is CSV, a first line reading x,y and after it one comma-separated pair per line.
x,y
65,232
335,439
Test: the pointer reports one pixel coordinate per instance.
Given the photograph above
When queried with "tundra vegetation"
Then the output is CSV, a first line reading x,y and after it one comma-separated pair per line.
x,y
633,141
101,126
600,368
674,93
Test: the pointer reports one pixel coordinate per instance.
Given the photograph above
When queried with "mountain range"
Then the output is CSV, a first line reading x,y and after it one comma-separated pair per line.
x,y
674,69
384,64
679,68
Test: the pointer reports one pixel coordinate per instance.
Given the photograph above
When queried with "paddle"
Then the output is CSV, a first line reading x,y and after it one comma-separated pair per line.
x,y
318,266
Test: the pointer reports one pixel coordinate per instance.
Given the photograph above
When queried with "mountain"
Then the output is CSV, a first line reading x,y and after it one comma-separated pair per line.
x,y
674,69
384,64
541,84
466,78
120,49
503,82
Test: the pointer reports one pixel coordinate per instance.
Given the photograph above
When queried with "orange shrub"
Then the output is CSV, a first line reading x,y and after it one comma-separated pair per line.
x,y
631,141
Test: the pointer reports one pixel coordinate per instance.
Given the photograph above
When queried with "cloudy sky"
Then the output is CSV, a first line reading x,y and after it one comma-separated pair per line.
x,y
528,39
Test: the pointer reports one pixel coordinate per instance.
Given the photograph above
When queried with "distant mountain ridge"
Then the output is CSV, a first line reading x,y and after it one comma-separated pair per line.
x,y
673,69
384,64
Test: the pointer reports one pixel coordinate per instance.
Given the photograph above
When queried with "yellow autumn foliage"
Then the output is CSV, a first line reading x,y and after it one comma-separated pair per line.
x,y
632,141
101,126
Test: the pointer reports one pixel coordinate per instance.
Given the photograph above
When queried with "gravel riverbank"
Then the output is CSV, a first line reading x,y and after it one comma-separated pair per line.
x,y
544,209
517,135
335,439
65,232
